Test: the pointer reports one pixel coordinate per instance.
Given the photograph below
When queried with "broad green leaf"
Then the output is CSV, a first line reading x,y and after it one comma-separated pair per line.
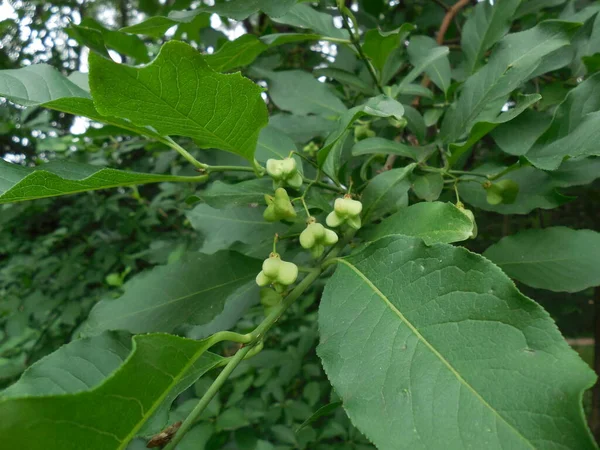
x,y
155,26
241,52
486,25
419,51
61,412
414,89
222,228
385,193
537,188
416,123
515,57
421,64
302,128
179,94
374,145
434,222
324,410
42,85
91,33
220,194
302,15
533,6
192,291
346,78
379,44
300,93
241,9
380,106
19,183
429,186
518,136
273,143
486,123
558,259
445,352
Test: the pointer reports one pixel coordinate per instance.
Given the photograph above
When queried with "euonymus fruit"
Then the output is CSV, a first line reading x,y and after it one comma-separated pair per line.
x,y
315,237
279,207
345,210
503,191
284,172
277,272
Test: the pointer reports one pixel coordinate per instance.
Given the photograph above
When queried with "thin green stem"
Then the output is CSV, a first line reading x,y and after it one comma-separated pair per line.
x,y
183,152
509,169
210,169
323,185
354,38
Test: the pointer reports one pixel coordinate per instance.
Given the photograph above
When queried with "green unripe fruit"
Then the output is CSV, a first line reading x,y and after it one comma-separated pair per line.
x,y
363,132
284,172
277,272
503,191
345,210
311,148
279,207
315,237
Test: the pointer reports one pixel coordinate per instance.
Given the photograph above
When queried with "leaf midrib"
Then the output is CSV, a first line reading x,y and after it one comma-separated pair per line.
x,y
419,336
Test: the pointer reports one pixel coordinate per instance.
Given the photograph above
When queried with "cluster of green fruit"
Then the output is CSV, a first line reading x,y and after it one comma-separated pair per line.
x,y
315,237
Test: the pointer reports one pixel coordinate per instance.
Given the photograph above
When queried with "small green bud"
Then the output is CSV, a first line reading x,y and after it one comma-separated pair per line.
x,y
277,272
279,207
503,191
345,210
315,237
363,132
311,148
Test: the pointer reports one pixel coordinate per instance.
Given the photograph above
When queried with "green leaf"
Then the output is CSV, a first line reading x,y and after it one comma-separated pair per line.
x,y
532,6
486,25
302,128
379,44
241,52
302,15
380,106
385,193
179,94
486,123
155,26
222,228
445,352
421,64
61,411
429,186
192,290
434,222
346,78
419,53
512,62
518,136
42,85
274,143
558,258
324,410
537,189
374,145
19,183
300,93
220,194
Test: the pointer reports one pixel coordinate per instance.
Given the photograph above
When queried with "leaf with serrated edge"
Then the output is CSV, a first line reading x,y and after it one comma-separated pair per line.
x,y
558,258
179,94
158,367
434,347
19,183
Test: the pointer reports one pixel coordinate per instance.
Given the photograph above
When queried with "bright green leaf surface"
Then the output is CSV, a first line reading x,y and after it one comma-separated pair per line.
x,y
304,16
379,44
220,194
444,352
513,60
487,24
420,50
158,366
232,54
374,145
558,258
428,187
386,193
192,290
19,183
179,94
223,227
518,136
433,222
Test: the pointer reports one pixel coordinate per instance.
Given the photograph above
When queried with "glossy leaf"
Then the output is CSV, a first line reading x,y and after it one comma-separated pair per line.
x,y
513,60
221,228
419,50
475,363
558,258
487,24
192,291
302,15
19,183
379,44
434,222
386,193
49,415
179,94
